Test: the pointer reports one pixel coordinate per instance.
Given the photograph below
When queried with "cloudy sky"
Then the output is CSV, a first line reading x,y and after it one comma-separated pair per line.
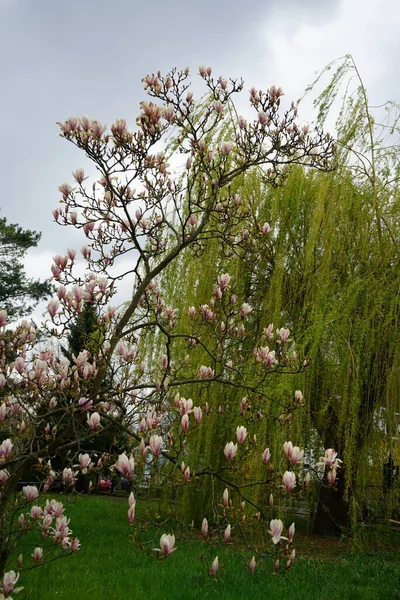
x,y
62,58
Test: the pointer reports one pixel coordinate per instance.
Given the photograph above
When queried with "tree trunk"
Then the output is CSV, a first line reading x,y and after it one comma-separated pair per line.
x,y
333,509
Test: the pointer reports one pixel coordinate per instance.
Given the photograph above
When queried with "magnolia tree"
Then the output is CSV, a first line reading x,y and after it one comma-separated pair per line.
x,y
138,217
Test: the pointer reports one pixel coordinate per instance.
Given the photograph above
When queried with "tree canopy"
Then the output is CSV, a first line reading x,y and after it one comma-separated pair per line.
x,y
329,272
18,293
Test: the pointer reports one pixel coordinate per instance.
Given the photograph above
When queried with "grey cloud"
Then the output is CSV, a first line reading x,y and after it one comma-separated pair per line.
x,y
88,57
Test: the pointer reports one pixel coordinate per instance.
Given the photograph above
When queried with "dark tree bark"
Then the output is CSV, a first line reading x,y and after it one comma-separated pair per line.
x,y
333,514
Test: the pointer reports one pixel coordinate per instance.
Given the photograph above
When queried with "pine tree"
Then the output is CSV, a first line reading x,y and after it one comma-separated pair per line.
x,y
18,294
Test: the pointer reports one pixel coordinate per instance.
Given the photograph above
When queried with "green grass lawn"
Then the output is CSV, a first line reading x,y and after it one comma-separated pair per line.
x,y
109,567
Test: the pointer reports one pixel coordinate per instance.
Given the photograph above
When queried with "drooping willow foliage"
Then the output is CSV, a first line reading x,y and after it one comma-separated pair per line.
x,y
330,272
328,280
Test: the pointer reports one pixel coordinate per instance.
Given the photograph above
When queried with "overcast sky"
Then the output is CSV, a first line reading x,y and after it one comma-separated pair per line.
x,y
70,57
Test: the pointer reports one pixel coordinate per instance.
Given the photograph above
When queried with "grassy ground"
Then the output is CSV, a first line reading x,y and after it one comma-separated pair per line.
x,y
109,567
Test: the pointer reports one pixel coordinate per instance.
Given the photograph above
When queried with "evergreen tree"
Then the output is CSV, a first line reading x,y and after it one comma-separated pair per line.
x,y
18,294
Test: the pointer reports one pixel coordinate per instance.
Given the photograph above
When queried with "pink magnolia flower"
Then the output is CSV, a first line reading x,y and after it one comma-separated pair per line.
x,y
289,480
226,148
275,529
307,480
225,497
270,359
291,531
227,533
208,71
54,508
68,476
185,405
20,364
217,292
128,353
9,581
5,448
283,334
186,474
52,403
204,527
132,507
30,492
298,396
64,539
83,356
266,455
37,555
65,189
4,475
252,565
206,372
36,512
168,113
288,449
131,514
143,449
47,521
230,451
223,281
74,544
79,175
56,271
85,403
296,455
84,462
269,331
214,567
292,556
185,423
61,261
167,544
245,310
119,127
94,420
198,414
21,521
266,228
125,465
53,307
330,459
331,476
155,444
241,433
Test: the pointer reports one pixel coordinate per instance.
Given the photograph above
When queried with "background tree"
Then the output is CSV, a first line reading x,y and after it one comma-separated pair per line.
x,y
333,273
18,294
84,333
328,272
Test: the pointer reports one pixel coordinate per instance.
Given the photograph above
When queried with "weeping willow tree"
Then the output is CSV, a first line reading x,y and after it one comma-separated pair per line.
x,y
329,272
328,280
334,275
